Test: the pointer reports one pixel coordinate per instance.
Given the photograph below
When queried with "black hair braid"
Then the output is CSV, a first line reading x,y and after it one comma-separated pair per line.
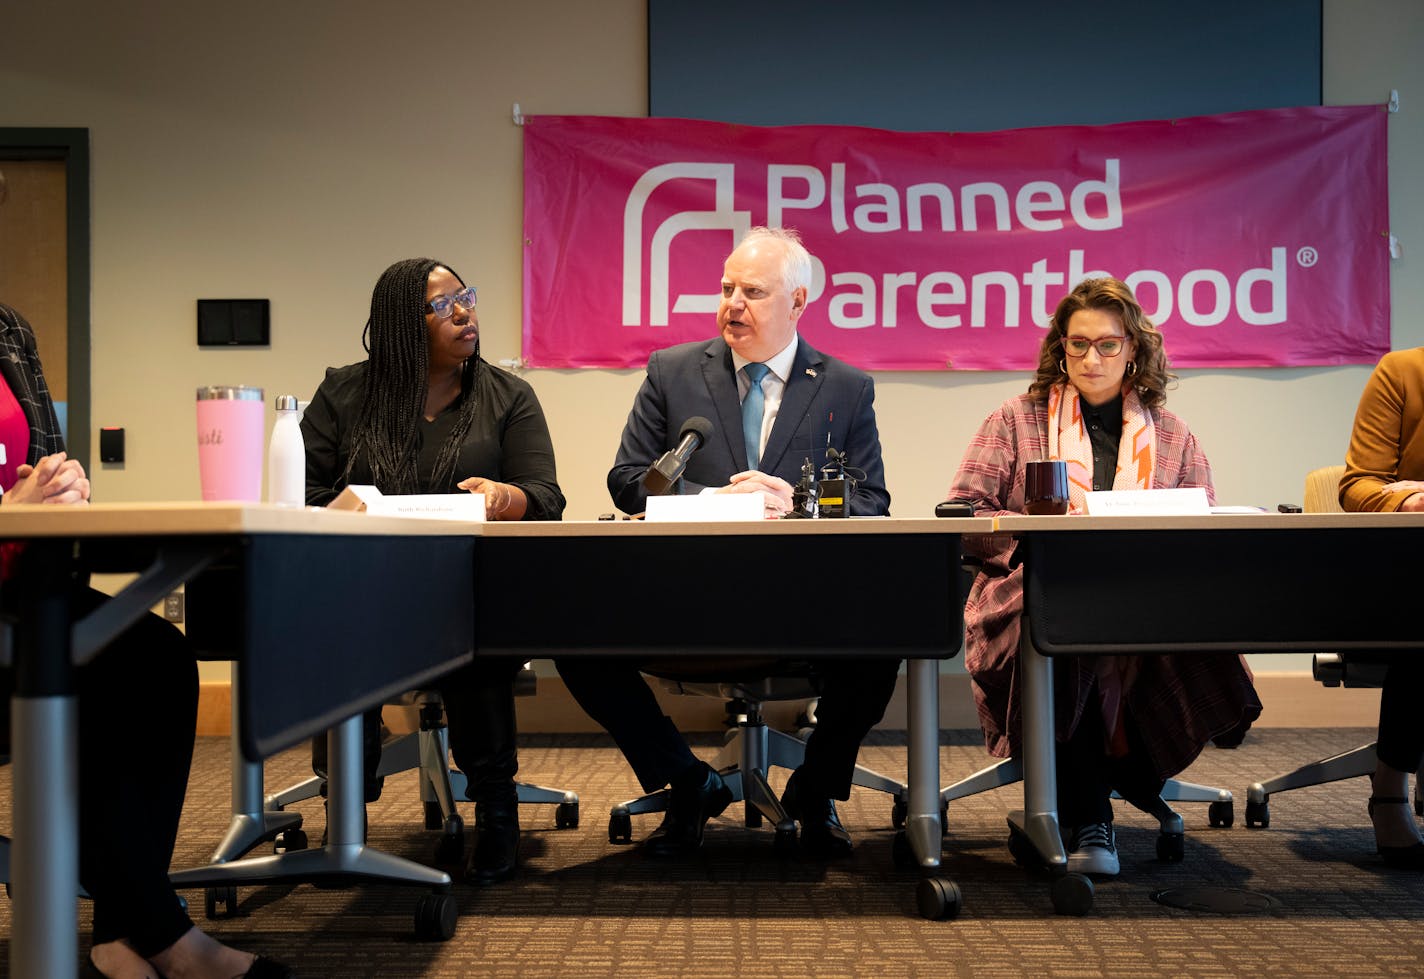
x,y
397,379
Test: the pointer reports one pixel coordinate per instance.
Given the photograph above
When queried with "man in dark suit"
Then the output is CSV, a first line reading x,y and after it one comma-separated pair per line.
x,y
807,401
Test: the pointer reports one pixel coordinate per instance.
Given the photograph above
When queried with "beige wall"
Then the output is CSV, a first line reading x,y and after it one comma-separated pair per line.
x,y
293,149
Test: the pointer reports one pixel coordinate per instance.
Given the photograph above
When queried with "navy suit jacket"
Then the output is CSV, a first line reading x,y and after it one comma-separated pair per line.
x,y
824,396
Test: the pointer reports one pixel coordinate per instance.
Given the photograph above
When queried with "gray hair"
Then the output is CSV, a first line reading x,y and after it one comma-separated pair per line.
x,y
795,259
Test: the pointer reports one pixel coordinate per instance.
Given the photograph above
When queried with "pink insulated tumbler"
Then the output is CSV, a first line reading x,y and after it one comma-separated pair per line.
x,y
230,429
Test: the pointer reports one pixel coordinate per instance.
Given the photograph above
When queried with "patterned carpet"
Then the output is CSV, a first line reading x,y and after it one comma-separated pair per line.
x,y
586,907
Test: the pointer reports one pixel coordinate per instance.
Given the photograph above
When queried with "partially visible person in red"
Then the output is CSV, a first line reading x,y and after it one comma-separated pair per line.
x,y
138,703
1384,471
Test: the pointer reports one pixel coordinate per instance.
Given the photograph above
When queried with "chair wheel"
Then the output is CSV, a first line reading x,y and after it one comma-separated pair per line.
x,y
1171,847
450,850
783,844
938,898
620,828
1258,815
290,840
454,826
1072,895
434,818
1221,814
220,902
903,853
435,917
899,812
566,816
753,817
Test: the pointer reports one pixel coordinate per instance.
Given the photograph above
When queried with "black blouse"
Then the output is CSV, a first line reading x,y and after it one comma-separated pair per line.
x,y
1104,424
507,442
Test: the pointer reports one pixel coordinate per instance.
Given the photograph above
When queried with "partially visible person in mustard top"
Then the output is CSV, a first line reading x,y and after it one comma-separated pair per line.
x,y
1124,723
1384,471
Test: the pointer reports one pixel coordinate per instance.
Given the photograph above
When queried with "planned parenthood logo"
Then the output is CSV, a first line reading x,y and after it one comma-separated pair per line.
x,y
938,250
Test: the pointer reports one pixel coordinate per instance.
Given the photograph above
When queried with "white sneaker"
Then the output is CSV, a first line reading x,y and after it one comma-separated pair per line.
x,y
1093,850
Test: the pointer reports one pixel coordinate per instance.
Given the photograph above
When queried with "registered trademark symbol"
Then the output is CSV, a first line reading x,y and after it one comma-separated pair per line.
x,y
1306,257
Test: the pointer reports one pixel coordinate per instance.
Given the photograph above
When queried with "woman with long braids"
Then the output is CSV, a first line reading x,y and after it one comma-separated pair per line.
x,y
425,414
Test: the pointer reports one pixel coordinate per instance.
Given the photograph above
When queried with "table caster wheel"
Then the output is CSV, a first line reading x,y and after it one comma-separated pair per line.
x,y
566,816
1023,851
435,916
620,828
434,818
289,840
903,853
1171,847
1258,815
450,850
220,902
1072,895
784,842
899,812
938,898
1221,814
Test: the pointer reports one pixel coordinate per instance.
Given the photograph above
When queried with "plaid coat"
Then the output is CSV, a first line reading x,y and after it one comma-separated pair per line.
x,y
20,368
1178,703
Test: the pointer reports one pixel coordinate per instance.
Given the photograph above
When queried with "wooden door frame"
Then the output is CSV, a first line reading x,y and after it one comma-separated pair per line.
x,y
72,147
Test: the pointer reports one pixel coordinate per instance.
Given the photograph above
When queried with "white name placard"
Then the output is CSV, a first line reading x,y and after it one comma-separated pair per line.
x,y
448,506
705,508
1147,503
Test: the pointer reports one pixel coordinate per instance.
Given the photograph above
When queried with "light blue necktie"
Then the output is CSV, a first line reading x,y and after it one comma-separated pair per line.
x,y
753,409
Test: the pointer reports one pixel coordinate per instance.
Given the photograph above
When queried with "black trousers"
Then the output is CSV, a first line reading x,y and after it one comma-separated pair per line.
x,y
853,699
479,708
138,708
1087,775
1401,730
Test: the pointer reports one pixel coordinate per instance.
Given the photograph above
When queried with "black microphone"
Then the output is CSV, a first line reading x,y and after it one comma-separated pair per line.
x,y
662,474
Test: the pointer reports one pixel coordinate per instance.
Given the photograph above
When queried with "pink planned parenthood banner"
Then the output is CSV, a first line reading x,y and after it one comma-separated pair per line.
x,y
1252,239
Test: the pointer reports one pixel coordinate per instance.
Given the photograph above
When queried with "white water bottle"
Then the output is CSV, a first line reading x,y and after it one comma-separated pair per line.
x,y
287,456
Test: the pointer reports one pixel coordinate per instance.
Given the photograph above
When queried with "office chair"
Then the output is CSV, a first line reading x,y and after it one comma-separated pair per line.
x,y
428,750
1322,495
751,747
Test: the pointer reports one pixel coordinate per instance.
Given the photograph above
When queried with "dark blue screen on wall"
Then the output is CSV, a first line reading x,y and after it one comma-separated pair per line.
x,y
975,65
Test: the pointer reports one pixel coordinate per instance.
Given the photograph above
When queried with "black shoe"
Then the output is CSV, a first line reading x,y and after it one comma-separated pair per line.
x,y
1407,857
496,854
822,834
265,968
689,808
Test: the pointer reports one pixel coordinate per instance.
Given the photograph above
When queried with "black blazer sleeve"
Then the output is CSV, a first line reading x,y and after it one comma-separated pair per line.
x,y
645,438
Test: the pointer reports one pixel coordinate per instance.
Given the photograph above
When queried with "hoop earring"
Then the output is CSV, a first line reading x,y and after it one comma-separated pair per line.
x,y
1063,365
1131,368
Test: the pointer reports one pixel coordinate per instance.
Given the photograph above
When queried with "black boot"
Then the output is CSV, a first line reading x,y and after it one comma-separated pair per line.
x,y
822,834
496,854
696,796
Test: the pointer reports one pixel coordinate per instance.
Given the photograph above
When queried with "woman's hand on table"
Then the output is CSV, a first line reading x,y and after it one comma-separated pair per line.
x,y
54,479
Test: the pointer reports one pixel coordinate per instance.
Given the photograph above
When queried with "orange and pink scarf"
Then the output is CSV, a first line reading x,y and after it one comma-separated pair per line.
x,y
1136,461
1068,440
